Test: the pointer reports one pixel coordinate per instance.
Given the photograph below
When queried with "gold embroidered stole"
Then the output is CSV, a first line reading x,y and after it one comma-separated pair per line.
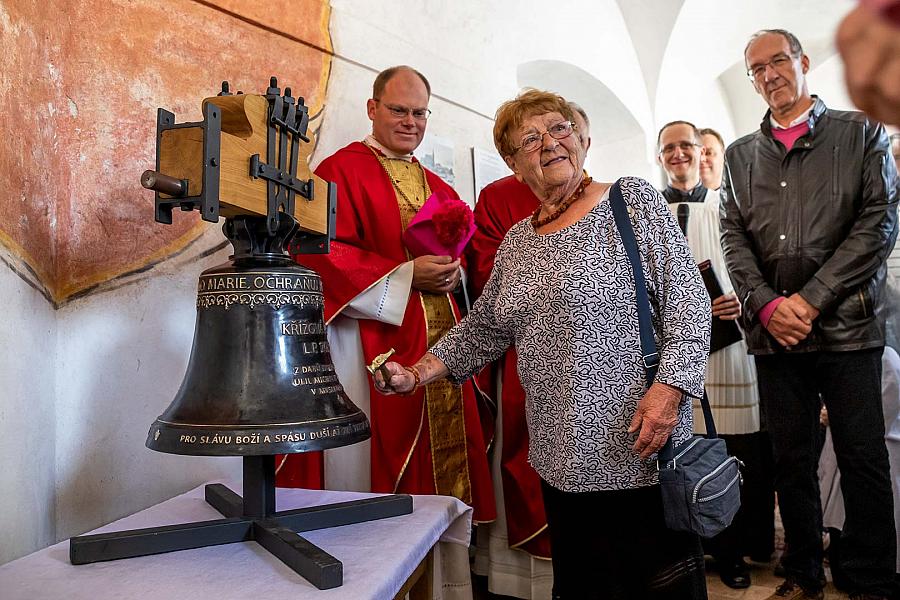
x,y
443,401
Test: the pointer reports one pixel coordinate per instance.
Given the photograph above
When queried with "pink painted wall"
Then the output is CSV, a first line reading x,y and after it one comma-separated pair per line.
x,y
81,83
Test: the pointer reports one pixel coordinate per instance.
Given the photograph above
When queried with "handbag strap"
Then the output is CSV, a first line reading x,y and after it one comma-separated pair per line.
x,y
649,353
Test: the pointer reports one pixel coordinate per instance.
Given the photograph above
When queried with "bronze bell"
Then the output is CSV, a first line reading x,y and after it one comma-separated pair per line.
x,y
260,379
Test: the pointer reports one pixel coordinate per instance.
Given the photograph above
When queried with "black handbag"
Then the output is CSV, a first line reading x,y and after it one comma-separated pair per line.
x,y
700,483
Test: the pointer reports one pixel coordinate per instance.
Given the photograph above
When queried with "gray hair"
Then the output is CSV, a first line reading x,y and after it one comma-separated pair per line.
x,y
793,42
577,108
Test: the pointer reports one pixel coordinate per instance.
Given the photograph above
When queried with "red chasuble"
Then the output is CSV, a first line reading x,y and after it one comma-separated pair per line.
x,y
367,246
501,205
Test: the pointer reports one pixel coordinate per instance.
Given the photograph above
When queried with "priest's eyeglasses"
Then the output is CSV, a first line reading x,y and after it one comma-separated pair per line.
x,y
685,147
778,62
532,142
400,112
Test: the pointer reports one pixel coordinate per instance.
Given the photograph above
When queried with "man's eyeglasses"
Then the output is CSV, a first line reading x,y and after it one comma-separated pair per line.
x,y
400,112
685,147
778,62
532,142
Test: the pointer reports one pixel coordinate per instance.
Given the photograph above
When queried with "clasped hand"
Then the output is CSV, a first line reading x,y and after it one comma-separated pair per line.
x,y
656,417
435,274
792,320
401,380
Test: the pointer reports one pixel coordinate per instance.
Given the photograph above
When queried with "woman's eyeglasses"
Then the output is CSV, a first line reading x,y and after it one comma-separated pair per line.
x,y
532,142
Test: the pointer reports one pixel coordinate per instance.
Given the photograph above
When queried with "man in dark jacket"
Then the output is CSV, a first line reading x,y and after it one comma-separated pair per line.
x,y
809,217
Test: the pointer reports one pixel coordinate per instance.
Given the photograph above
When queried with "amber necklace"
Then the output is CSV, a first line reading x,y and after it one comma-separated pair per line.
x,y
537,222
383,162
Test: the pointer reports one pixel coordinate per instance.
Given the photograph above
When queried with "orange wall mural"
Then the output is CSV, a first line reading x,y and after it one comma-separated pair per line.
x,y
81,81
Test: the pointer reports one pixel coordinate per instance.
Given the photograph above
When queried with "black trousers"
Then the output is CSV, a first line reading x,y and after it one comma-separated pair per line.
x,y
752,533
849,383
615,545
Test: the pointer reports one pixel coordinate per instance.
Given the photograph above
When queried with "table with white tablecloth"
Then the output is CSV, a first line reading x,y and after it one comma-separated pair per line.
x,y
379,557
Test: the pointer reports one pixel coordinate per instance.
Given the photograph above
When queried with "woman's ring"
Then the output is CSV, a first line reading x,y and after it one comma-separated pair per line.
x,y
446,280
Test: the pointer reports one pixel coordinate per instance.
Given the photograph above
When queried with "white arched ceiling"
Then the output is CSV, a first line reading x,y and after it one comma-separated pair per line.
x,y
699,80
662,59
650,23
610,118
470,49
618,140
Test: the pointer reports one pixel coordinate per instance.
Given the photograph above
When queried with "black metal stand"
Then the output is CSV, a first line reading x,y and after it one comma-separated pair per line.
x,y
252,517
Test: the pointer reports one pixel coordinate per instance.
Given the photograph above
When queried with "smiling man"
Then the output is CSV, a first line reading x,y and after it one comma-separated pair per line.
x,y
809,217
678,151
378,297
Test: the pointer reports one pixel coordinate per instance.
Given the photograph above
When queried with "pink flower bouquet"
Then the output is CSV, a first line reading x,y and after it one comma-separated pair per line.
x,y
442,227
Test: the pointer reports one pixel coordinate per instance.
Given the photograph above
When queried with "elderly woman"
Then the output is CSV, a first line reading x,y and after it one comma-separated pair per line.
x,y
563,292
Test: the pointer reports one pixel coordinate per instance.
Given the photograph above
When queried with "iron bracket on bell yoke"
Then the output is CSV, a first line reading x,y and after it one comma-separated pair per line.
x,y
207,201
288,118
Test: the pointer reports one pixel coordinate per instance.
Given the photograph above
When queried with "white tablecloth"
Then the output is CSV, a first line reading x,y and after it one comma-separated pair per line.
x,y
378,556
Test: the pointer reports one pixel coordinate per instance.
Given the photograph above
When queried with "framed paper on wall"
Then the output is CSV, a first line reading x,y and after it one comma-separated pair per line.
x,y
489,167
436,154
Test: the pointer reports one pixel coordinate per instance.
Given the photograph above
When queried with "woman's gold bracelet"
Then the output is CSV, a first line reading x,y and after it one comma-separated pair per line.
x,y
415,371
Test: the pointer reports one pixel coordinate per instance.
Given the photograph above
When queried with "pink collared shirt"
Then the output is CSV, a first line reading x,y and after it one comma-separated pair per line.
x,y
791,134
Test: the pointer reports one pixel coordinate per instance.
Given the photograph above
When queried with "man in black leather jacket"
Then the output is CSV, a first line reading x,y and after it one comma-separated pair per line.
x,y
809,216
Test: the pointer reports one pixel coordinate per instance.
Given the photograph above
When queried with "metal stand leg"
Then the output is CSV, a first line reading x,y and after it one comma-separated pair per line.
x,y
252,517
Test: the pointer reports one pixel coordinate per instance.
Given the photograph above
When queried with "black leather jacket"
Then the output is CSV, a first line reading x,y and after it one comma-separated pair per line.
x,y
820,220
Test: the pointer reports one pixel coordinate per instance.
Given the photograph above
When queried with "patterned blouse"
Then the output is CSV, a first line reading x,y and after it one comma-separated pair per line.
x,y
566,300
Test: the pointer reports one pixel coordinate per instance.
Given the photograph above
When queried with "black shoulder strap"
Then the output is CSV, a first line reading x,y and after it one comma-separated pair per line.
x,y
648,343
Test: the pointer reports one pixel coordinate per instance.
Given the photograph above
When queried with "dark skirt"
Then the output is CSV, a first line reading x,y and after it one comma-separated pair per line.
x,y
615,545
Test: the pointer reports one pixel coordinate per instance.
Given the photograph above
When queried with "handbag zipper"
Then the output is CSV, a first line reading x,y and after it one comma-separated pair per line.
x,y
693,443
708,476
674,460
736,477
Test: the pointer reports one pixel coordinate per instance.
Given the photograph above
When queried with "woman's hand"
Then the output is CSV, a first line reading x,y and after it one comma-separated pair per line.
x,y
404,380
656,417
726,307
401,381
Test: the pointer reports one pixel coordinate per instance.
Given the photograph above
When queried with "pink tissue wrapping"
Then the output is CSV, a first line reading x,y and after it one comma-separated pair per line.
x,y
421,236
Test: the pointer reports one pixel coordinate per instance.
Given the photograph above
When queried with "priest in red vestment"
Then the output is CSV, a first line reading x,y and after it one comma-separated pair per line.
x,y
378,297
501,205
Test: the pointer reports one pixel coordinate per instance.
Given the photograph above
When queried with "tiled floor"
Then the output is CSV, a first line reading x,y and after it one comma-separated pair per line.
x,y
762,576
764,583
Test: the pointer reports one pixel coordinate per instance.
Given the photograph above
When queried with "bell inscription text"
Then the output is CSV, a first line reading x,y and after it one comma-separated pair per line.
x,y
253,289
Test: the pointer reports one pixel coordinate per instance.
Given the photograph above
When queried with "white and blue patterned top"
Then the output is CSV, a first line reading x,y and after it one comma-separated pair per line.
x,y
566,300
